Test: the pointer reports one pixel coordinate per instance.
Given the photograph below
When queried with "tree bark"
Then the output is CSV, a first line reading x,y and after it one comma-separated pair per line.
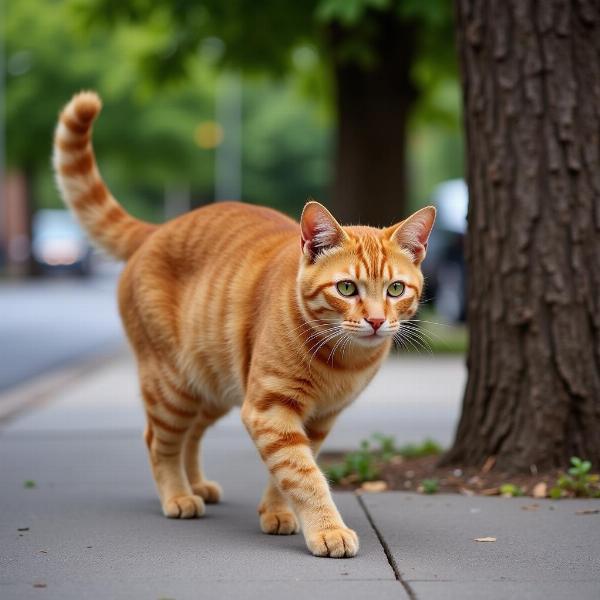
x,y
531,82
373,103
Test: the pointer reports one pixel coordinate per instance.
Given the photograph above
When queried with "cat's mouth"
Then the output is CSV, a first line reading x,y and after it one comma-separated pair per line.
x,y
371,339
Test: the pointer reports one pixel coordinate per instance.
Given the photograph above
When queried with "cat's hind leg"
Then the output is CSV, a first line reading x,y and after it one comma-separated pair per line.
x,y
210,491
170,415
276,516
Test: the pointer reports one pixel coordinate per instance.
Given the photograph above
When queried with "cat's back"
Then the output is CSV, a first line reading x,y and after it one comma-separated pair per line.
x,y
211,236
200,273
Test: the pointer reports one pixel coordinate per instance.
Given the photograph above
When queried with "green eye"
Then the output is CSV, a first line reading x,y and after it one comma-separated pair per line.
x,y
395,289
347,288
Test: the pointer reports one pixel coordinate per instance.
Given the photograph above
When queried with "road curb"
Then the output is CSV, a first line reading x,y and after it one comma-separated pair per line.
x,y
33,394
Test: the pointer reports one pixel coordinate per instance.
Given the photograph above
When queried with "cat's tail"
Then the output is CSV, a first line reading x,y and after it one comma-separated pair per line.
x,y
81,185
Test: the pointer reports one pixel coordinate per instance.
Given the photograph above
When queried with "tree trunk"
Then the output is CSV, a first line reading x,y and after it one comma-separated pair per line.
x,y
531,79
373,102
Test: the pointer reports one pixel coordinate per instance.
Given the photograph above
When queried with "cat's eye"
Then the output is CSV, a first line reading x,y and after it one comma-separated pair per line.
x,y
347,288
395,289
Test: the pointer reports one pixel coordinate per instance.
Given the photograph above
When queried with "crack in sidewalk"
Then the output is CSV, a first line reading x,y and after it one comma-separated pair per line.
x,y
388,553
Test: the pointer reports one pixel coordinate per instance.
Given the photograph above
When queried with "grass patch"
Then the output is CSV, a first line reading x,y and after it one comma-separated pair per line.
x,y
365,463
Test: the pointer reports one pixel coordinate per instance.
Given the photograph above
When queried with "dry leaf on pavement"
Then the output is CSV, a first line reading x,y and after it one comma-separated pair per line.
x,y
588,511
540,490
485,539
374,487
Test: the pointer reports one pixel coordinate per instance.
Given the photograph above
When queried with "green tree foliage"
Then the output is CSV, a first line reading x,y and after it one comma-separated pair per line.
x,y
145,139
272,36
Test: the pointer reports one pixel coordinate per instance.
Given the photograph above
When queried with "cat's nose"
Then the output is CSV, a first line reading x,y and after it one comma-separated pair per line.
x,y
375,323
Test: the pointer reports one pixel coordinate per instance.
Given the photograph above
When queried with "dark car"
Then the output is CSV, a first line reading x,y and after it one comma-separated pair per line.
x,y
444,268
59,244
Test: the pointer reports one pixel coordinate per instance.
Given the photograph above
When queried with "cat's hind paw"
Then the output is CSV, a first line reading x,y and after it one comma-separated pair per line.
x,y
340,542
184,507
279,523
209,491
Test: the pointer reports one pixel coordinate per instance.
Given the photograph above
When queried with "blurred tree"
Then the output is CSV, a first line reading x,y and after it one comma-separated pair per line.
x,y
375,50
147,138
48,61
531,96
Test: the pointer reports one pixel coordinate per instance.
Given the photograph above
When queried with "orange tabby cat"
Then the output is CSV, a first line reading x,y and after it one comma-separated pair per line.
x,y
238,305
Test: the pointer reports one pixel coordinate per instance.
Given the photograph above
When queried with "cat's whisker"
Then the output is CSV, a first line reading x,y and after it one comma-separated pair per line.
x,y
329,335
346,344
420,330
431,322
412,336
321,344
332,353
320,333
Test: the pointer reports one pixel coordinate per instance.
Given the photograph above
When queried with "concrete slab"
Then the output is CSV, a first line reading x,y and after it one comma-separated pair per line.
x,y
220,590
94,529
431,540
503,590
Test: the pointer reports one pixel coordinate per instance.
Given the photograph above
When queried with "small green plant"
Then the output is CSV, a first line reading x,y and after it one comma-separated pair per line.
x,y
511,490
363,464
360,466
430,486
387,445
29,484
428,447
578,481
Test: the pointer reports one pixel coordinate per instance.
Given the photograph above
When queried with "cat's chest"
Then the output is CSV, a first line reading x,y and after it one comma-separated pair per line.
x,y
335,394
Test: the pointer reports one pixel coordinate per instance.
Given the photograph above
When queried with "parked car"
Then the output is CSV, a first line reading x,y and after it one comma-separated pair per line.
x,y
444,269
59,244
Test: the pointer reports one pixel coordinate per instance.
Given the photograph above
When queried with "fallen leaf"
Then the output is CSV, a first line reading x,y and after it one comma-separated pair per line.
x,y
374,487
466,491
43,551
540,490
485,539
488,465
23,529
490,491
533,506
40,585
588,511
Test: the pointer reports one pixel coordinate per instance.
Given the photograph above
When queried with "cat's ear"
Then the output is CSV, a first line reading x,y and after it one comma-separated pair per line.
x,y
320,230
413,233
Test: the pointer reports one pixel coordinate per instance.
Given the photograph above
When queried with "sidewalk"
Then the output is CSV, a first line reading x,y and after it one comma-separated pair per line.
x,y
93,527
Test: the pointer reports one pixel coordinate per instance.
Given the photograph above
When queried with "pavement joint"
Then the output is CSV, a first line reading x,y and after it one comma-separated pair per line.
x,y
390,557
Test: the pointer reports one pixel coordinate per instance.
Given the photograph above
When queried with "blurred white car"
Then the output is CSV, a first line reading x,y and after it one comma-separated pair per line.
x,y
58,243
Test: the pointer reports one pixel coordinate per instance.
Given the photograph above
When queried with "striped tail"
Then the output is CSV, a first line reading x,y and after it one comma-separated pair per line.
x,y
81,185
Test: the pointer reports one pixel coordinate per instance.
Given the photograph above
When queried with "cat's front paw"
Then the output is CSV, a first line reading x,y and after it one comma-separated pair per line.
x,y
278,523
340,542
184,507
209,491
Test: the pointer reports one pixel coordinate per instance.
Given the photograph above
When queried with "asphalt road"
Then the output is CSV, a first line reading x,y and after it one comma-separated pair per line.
x,y
48,323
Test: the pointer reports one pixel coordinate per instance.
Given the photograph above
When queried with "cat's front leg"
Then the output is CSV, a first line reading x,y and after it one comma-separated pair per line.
x,y
278,431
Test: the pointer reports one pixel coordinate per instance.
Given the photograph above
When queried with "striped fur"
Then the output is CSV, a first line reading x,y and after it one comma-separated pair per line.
x,y
238,305
82,187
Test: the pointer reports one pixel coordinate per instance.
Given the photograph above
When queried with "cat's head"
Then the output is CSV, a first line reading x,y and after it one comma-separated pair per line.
x,y
358,280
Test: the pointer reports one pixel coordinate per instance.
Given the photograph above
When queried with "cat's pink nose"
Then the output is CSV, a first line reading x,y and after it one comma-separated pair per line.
x,y
375,323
